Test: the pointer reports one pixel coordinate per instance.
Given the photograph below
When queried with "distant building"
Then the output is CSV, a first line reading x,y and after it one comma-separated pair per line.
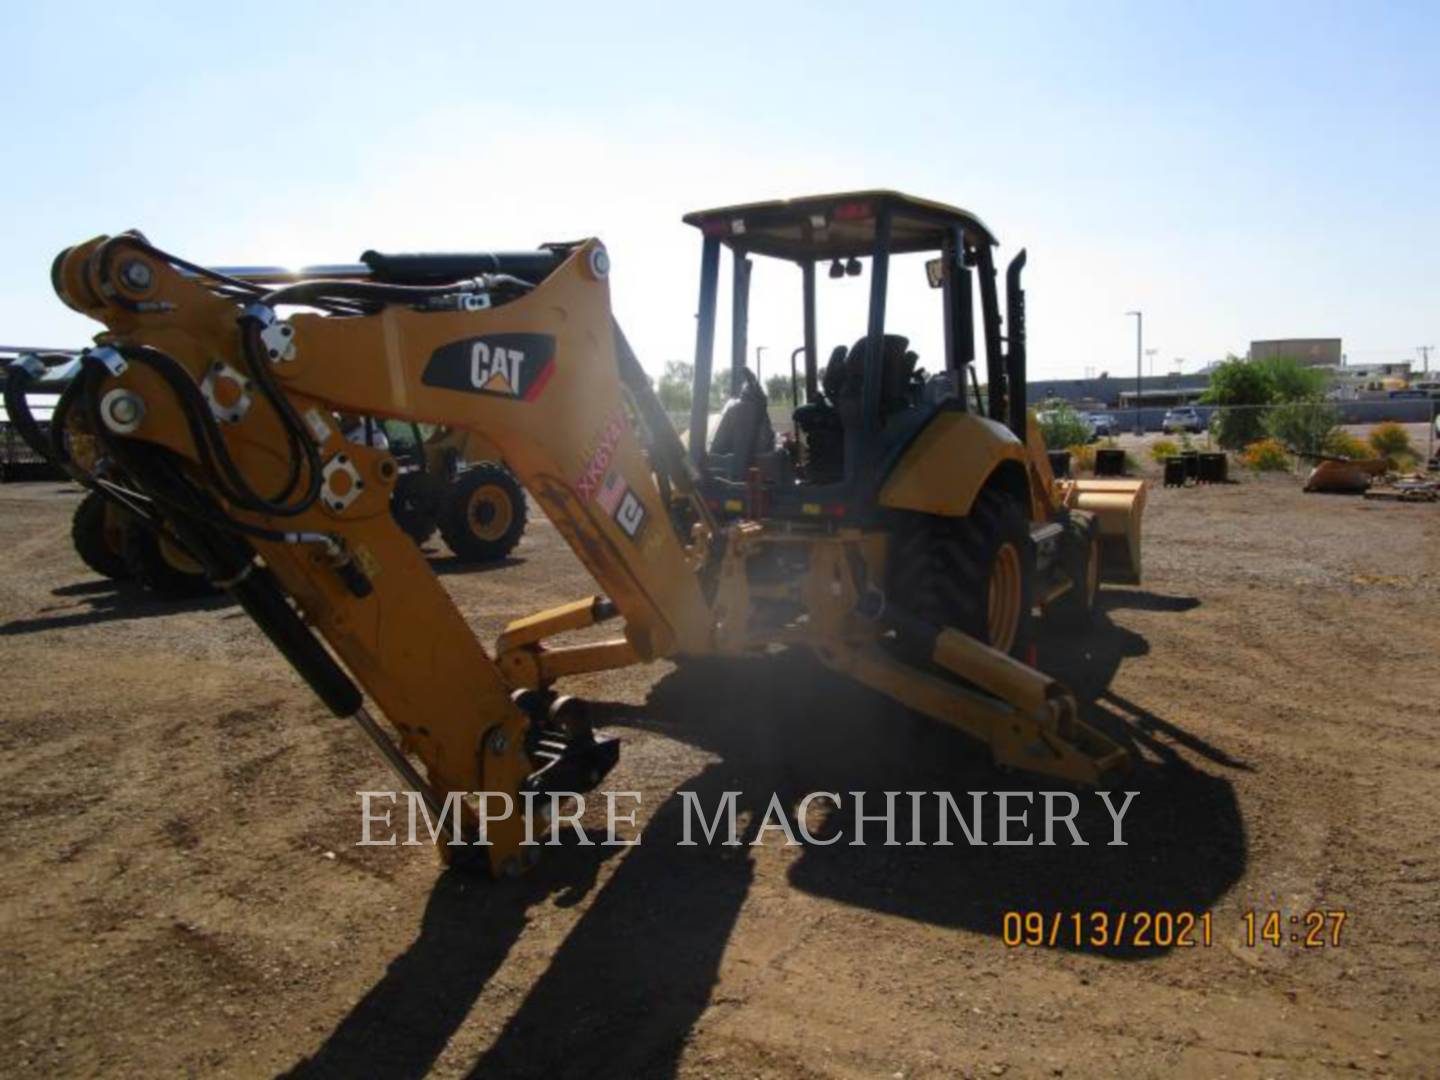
x,y
1312,352
1359,382
1109,392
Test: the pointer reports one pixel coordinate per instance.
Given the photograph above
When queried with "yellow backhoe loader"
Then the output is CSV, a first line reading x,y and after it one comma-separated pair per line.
x,y
906,537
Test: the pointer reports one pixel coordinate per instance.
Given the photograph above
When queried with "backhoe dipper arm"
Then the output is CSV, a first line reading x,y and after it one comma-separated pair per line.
x,y
225,414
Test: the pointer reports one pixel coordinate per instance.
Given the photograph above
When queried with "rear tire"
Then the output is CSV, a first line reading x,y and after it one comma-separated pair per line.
x,y
973,573
96,530
159,565
415,506
484,513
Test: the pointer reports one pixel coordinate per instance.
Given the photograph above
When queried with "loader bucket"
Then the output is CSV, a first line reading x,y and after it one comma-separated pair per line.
x,y
1117,506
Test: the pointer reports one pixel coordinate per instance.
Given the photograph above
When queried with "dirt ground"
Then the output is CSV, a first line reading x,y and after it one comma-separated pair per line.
x,y
181,892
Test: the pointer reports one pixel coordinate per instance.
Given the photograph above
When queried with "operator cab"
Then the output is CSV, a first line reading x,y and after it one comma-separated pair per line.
x,y
870,398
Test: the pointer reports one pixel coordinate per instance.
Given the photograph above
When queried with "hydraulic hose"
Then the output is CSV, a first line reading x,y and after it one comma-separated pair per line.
x,y
230,563
19,376
210,447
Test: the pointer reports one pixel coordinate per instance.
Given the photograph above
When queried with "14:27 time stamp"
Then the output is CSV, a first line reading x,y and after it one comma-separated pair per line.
x,y
1314,929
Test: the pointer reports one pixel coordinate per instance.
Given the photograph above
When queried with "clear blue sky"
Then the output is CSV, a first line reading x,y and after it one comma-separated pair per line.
x,y
1237,172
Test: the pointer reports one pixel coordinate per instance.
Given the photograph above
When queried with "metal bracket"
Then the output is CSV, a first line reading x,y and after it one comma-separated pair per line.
x,y
240,396
279,341
31,364
111,358
338,496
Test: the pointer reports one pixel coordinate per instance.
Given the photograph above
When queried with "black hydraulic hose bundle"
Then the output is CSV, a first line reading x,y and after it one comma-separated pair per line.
x,y
18,379
209,536
205,433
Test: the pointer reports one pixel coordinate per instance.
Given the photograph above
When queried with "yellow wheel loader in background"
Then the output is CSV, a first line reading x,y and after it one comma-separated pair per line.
x,y
451,480
906,538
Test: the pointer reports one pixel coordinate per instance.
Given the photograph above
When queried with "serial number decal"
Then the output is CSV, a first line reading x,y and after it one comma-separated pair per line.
x,y
501,365
1106,929
592,476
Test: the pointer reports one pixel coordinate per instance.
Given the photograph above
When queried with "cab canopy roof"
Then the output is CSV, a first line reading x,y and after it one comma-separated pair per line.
x,y
836,226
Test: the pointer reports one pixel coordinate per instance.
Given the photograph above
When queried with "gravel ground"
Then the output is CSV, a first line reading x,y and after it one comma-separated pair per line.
x,y
182,893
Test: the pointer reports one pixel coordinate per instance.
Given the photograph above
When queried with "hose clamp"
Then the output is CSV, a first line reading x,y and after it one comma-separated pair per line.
x,y
109,357
30,364
264,314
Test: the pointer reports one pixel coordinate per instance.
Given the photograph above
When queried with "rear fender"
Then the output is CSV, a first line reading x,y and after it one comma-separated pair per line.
x,y
951,461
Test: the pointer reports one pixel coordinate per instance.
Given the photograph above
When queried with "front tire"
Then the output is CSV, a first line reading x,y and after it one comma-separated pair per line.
x,y
1076,609
158,563
97,531
484,513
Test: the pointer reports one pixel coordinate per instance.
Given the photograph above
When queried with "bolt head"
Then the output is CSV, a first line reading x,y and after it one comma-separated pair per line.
x,y
125,410
137,274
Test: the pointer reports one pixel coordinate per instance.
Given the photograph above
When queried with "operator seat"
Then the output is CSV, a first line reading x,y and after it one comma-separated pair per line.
x,y
897,365
744,435
819,423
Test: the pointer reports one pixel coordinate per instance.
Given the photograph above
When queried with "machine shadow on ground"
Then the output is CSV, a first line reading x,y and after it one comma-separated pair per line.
x,y
637,970
87,603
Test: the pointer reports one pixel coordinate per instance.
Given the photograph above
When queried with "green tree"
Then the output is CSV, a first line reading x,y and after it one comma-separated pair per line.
x,y
675,388
777,389
1241,385
1306,427
1290,380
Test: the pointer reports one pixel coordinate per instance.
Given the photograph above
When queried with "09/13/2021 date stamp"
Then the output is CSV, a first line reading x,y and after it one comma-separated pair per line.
x,y
1312,929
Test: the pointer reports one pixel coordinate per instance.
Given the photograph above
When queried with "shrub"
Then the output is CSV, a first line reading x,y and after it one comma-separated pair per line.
x,y
1304,426
1343,444
1062,426
1266,455
1082,458
1162,449
1390,439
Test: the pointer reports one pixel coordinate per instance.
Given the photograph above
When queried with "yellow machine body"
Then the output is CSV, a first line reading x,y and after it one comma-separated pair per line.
x,y
542,379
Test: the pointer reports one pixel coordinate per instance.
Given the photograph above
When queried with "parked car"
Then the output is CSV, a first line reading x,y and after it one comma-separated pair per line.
x,y
1183,418
1103,425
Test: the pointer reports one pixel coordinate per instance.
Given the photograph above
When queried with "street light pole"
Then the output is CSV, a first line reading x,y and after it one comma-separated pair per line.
x,y
759,371
1139,370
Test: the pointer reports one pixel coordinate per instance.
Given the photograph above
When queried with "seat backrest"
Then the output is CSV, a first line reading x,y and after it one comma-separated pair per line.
x,y
897,365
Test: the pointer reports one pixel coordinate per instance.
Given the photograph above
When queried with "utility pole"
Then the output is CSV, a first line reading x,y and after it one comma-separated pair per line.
x,y
1139,371
1424,351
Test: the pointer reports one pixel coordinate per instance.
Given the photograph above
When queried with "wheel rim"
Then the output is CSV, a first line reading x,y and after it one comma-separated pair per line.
x,y
489,512
1003,614
177,558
